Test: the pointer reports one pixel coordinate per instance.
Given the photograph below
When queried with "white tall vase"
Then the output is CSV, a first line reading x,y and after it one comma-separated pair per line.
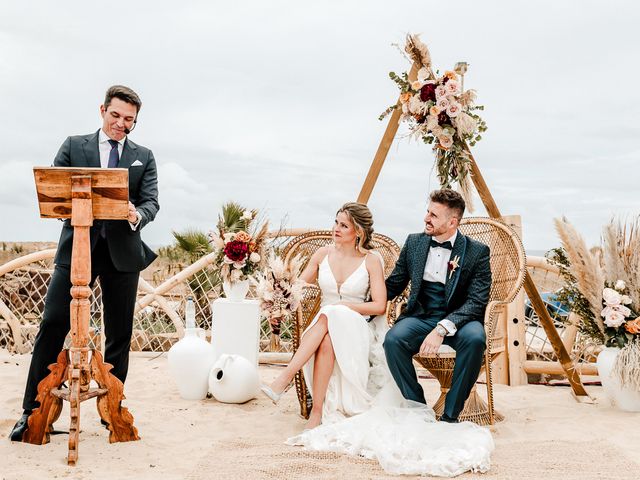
x,y
622,397
236,291
190,361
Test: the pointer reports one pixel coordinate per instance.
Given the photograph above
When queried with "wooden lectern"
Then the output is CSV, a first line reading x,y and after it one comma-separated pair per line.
x,y
81,194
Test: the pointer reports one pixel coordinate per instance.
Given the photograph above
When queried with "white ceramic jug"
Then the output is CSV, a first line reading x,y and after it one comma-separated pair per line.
x,y
233,379
190,360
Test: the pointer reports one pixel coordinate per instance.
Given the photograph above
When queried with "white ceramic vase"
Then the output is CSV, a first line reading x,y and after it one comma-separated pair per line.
x,y
622,397
190,362
233,379
236,291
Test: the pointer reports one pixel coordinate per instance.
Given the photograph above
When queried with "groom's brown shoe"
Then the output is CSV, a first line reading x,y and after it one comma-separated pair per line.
x,y
19,428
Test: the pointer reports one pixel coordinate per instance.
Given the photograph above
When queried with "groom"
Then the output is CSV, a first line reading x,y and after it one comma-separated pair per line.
x,y
450,280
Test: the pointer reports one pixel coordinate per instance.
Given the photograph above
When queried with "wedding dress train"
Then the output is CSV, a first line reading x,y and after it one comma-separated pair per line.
x,y
364,413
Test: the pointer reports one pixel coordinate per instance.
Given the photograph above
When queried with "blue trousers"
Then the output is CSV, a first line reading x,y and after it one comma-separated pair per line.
x,y
403,341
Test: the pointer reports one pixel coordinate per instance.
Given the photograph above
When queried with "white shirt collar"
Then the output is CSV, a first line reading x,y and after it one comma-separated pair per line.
x,y
104,138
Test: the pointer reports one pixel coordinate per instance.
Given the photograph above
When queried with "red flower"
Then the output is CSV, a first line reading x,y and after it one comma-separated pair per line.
x,y
236,251
428,92
443,118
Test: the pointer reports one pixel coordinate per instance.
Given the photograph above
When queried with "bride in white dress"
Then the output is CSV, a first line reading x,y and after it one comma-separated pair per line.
x,y
357,407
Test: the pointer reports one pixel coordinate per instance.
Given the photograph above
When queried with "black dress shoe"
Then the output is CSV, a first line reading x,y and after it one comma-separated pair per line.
x,y
19,428
446,419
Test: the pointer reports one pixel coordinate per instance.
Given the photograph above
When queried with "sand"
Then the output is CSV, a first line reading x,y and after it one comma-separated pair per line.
x,y
547,435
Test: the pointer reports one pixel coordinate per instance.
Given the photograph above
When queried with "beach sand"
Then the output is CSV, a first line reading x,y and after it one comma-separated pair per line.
x,y
547,435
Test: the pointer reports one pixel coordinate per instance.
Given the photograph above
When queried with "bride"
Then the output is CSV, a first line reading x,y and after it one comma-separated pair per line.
x,y
357,407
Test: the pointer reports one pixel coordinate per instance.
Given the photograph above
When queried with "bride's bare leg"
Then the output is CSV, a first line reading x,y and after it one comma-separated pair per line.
x,y
322,370
308,347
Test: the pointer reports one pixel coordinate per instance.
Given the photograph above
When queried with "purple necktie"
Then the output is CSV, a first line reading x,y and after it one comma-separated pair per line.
x,y
113,154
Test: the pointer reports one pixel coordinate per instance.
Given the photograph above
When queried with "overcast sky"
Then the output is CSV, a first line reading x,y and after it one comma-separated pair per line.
x,y
275,105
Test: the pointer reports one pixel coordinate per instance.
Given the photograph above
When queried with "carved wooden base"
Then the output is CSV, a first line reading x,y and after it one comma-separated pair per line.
x,y
42,418
109,397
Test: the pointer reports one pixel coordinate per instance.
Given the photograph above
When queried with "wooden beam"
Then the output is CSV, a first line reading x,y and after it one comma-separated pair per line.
x,y
383,148
555,368
516,345
530,288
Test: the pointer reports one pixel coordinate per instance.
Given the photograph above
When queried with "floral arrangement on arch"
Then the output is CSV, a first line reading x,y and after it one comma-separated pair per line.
x,y
441,113
602,286
279,289
239,243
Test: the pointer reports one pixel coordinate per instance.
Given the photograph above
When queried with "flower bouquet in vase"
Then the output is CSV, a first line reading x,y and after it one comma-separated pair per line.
x,y
602,286
279,290
239,244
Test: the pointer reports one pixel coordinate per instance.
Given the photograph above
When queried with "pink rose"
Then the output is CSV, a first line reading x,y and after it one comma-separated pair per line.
x,y
454,109
452,87
441,91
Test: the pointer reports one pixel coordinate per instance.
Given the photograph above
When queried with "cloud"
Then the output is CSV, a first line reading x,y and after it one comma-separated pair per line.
x,y
275,104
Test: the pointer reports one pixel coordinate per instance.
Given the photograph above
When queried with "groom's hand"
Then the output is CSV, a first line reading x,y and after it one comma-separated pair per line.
x,y
431,343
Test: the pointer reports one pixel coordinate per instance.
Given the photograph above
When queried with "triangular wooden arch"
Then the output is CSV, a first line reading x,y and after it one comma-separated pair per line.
x,y
492,209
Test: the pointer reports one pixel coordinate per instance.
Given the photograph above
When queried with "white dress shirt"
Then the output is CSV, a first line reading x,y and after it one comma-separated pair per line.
x,y
104,147
436,270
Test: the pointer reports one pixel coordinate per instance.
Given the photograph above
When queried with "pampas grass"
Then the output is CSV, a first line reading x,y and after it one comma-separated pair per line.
x,y
585,267
622,255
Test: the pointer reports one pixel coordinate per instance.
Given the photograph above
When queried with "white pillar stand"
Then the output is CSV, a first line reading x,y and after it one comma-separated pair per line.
x,y
235,328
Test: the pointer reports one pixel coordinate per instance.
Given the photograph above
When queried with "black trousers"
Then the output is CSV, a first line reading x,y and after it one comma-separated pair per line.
x,y
119,290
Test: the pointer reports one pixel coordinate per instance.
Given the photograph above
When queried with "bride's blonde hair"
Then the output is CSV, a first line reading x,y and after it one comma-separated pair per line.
x,y
360,215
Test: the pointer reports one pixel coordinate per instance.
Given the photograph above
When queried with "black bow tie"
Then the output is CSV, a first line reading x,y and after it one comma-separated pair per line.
x,y
446,244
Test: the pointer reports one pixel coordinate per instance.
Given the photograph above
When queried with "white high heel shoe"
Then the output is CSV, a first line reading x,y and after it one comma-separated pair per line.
x,y
275,397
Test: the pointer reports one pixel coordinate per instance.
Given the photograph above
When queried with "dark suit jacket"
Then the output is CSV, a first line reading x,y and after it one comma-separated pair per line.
x,y
466,289
128,252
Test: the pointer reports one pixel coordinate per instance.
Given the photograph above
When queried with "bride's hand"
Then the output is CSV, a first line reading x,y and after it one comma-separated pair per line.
x,y
431,343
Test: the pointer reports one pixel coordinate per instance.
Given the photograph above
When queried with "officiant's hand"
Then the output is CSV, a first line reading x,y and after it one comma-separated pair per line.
x,y
431,343
133,214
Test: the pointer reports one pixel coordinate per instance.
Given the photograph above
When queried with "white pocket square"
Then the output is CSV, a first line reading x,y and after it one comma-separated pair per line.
x,y
137,163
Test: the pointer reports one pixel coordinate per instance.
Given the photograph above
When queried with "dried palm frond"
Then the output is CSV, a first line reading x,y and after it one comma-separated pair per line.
x,y
192,243
585,267
231,220
418,51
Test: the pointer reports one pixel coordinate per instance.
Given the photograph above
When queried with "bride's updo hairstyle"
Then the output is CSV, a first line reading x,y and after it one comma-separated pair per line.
x,y
360,215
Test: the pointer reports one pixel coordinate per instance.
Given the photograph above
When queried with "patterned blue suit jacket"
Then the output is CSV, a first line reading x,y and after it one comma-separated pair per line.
x,y
466,289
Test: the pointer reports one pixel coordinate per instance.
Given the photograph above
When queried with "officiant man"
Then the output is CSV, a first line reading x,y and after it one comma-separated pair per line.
x,y
450,277
118,254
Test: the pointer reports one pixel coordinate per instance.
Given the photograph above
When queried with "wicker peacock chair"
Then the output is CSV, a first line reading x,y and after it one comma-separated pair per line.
x,y
508,267
306,245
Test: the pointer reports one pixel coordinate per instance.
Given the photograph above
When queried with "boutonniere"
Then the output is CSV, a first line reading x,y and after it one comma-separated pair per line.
x,y
453,265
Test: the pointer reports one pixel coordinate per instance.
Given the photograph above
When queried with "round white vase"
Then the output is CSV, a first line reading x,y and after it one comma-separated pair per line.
x,y
233,379
236,291
190,362
622,397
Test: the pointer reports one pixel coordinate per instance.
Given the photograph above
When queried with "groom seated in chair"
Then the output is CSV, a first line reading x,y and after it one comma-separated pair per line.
x,y
450,279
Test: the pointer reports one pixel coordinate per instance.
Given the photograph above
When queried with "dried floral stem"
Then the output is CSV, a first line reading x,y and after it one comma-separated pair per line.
x,y
585,267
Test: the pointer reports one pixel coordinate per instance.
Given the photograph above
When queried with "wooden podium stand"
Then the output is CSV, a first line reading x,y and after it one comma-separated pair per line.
x,y
81,194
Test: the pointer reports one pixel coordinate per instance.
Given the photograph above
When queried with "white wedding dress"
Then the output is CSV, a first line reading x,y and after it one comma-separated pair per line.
x,y
365,414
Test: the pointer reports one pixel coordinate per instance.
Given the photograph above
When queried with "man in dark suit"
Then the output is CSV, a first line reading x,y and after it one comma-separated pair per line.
x,y
117,251
450,279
